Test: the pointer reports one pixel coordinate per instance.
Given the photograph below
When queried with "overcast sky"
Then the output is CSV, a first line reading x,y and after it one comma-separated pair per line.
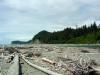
x,y
22,19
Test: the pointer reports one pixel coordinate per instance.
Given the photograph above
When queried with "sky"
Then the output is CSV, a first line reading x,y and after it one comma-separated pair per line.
x,y
22,19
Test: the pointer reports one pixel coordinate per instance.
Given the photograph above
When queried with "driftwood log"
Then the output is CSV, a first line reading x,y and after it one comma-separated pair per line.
x,y
48,61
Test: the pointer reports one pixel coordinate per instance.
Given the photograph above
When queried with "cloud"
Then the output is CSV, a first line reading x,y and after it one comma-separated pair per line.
x,y
22,19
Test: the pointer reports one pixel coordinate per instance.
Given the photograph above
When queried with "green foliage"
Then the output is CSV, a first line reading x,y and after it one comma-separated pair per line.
x,y
82,35
87,39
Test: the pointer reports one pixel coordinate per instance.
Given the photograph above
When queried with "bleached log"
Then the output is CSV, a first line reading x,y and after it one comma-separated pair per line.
x,y
14,68
97,69
48,61
40,68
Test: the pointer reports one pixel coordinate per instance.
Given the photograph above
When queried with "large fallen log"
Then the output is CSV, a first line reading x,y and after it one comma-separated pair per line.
x,y
97,69
40,68
14,69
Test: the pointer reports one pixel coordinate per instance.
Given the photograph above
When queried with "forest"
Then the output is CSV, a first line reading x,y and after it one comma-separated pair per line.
x,y
80,35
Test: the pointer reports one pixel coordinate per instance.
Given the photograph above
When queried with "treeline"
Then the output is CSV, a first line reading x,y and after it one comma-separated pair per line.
x,y
85,34
21,42
81,35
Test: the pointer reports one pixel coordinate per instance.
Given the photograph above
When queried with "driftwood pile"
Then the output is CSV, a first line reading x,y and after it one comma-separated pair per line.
x,y
32,54
10,50
79,67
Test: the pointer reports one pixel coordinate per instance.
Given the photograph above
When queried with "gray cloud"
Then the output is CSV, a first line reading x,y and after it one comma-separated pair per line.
x,y
25,18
